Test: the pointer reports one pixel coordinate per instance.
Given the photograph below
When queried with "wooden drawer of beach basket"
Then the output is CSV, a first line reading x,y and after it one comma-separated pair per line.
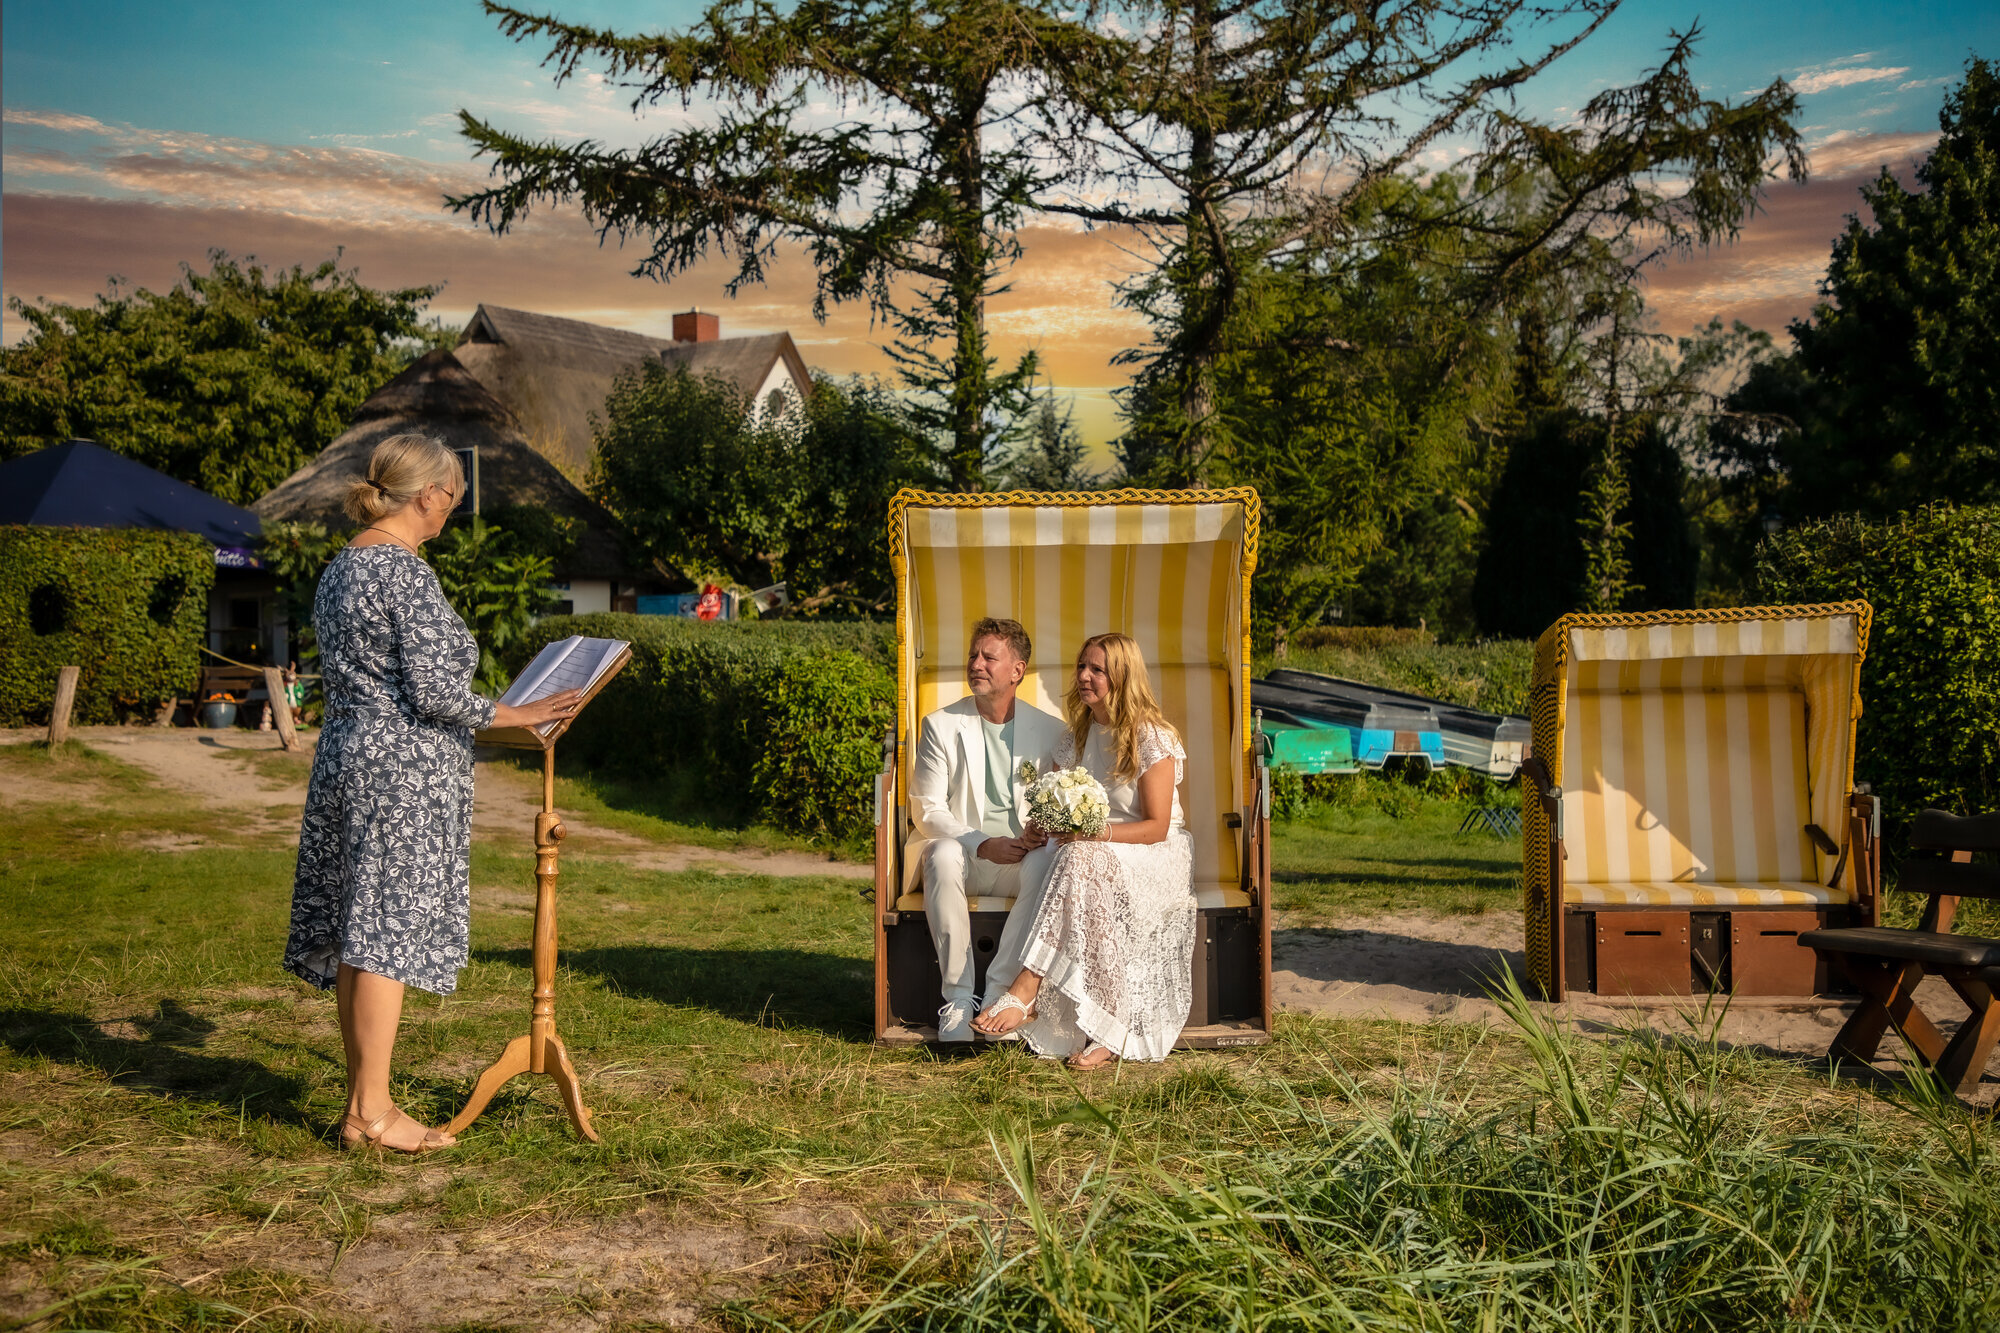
x,y
1765,956
1642,953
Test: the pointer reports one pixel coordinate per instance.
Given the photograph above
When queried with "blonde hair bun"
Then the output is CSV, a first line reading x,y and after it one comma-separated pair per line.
x,y
398,470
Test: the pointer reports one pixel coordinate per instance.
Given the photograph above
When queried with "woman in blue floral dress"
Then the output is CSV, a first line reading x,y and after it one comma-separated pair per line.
x,y
382,894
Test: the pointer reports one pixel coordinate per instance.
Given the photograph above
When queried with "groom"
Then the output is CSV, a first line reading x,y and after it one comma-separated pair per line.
x,y
969,800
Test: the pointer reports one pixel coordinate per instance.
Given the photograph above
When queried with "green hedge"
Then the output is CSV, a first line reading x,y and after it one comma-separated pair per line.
x,y
1492,675
1930,725
780,722
129,607
1361,638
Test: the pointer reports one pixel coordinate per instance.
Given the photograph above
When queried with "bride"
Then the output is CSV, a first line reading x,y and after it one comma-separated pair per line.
x,y
1105,973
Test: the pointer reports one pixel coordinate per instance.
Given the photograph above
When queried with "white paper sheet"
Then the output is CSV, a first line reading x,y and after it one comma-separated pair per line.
x,y
574,663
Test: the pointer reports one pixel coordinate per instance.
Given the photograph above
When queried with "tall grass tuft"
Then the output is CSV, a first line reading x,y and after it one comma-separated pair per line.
x,y
1633,1187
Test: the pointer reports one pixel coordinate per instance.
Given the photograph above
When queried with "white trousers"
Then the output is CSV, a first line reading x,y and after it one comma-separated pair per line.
x,y
950,877
1006,965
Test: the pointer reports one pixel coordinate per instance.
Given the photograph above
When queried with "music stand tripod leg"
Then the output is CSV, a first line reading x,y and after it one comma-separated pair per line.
x,y
530,1054
512,1061
564,1074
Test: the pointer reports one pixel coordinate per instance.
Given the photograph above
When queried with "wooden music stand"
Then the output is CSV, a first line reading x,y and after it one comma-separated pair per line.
x,y
541,1051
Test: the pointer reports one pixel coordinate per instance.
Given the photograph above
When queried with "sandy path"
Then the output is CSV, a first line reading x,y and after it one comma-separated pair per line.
x,y
216,766
1418,968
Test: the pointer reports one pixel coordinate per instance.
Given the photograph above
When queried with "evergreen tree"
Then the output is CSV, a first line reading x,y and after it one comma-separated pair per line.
x,y
1533,570
1905,350
1050,455
1215,116
909,201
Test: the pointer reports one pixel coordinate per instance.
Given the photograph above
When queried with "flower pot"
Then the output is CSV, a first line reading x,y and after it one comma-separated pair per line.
x,y
218,714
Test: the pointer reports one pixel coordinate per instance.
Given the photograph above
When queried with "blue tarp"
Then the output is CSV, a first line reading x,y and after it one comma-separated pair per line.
x,y
82,485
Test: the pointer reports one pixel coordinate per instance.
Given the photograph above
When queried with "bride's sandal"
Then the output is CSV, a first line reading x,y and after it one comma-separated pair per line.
x,y
1094,1056
356,1133
1006,1004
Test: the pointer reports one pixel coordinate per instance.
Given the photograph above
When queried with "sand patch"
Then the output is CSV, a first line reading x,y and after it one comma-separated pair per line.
x,y
1414,967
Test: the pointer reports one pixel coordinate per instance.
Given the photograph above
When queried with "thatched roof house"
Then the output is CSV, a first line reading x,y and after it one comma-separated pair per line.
x,y
554,373
439,398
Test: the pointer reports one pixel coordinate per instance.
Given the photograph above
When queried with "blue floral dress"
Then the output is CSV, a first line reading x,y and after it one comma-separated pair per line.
x,y
384,876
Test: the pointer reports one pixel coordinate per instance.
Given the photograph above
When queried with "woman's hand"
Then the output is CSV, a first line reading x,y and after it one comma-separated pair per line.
x,y
555,708
1064,839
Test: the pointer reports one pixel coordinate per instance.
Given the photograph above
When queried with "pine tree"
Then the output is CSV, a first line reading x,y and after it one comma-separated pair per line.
x,y
909,202
1905,349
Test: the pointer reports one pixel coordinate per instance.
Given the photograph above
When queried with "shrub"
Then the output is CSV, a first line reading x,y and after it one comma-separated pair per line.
x,y
827,714
1288,794
1492,675
1930,728
495,588
1360,638
781,721
129,607
495,578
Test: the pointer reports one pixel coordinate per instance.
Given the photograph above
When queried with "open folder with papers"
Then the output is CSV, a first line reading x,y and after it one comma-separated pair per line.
x,y
575,663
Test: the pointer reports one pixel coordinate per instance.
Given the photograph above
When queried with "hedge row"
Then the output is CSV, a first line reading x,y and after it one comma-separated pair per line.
x,y
1361,638
777,722
128,607
1492,675
1930,725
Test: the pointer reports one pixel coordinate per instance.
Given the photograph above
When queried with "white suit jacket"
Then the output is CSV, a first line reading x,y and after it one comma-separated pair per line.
x,y
948,777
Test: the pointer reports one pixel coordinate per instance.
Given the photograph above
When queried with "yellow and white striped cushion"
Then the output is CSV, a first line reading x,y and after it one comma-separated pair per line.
x,y
1676,786
1795,893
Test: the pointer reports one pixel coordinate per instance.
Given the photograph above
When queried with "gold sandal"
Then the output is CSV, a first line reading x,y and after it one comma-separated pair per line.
x,y
355,1134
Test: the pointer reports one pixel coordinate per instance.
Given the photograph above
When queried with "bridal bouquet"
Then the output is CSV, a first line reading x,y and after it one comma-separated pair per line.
x,y
1069,800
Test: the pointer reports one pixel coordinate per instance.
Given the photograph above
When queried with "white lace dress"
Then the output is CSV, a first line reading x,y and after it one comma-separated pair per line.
x,y
1114,934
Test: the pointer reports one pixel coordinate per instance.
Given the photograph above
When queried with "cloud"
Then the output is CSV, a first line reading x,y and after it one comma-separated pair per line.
x,y
1824,80
1846,152
1938,82
66,121
87,199
1771,275
64,246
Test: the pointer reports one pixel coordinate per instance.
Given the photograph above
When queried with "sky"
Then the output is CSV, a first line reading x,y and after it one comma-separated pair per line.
x,y
139,135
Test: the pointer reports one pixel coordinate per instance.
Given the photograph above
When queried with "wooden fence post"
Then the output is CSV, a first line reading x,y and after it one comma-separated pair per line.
x,y
281,708
65,700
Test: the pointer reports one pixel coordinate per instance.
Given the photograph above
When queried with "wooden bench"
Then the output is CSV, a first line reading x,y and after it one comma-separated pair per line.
x,y
1887,963
239,683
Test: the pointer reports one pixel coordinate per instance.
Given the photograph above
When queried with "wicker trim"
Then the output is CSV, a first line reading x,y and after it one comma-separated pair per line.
x,y
907,499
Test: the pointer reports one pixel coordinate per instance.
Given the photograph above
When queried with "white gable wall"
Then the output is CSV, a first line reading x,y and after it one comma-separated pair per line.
x,y
780,380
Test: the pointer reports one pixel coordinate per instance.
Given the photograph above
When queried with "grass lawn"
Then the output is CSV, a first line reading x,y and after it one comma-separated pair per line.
x,y
170,1098
1337,860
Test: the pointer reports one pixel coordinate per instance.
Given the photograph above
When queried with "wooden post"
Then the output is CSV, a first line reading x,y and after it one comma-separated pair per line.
x,y
65,700
541,1051
281,708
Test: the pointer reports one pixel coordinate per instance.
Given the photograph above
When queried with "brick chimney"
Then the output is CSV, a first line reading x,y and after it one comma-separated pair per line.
x,y
695,327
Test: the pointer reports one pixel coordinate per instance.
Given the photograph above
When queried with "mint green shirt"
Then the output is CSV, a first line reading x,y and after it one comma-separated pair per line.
x,y
1002,819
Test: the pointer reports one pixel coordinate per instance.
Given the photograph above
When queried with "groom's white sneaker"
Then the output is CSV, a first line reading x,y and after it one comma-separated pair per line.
x,y
955,1020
